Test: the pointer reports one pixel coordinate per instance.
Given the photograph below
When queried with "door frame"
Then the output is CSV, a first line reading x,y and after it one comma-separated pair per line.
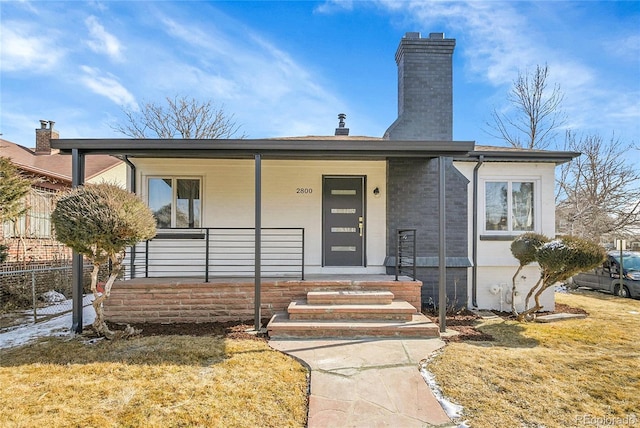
x,y
364,214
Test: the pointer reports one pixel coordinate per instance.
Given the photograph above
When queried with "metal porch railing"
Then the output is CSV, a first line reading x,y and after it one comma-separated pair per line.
x,y
406,253
217,252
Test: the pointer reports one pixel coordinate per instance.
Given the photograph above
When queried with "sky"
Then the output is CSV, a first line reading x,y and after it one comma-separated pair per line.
x,y
289,68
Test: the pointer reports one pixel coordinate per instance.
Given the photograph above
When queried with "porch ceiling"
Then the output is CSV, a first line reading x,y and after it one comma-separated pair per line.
x,y
267,148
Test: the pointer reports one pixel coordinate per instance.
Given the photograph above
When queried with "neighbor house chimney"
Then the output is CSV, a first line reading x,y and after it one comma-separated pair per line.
x,y
341,130
425,89
44,135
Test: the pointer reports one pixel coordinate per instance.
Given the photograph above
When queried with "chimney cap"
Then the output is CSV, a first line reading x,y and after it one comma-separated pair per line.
x,y
44,123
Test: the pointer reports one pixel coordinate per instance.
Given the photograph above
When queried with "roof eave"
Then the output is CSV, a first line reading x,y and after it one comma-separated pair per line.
x,y
557,157
244,148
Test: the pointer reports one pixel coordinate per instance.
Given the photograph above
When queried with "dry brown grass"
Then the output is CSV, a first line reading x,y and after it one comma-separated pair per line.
x,y
160,381
565,374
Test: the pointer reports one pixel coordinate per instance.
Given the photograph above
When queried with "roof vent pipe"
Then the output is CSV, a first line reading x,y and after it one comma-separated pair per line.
x,y
341,130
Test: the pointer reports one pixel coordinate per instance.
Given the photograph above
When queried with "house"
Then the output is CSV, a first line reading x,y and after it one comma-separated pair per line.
x,y
350,202
50,172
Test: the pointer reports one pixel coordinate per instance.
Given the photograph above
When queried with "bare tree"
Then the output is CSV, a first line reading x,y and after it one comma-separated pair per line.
x,y
179,118
598,193
535,114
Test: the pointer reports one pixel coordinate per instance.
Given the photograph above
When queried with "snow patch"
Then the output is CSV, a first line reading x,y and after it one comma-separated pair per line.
x,y
59,326
52,297
454,411
555,244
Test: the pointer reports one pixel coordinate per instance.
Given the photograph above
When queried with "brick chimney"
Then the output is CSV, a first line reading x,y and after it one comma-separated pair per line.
x,y
44,135
425,89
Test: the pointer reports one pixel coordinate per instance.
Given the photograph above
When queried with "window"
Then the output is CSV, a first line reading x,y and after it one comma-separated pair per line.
x,y
175,202
36,221
510,206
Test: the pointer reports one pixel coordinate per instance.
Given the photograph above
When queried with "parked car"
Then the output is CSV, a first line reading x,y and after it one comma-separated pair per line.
x,y
607,276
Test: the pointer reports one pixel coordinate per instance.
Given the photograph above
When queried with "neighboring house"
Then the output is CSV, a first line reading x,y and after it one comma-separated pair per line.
x,y
352,194
50,172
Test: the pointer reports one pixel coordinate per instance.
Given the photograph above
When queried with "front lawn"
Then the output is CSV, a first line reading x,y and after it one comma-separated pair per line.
x,y
569,373
154,381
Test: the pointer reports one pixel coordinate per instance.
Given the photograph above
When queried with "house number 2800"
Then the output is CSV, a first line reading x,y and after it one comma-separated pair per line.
x,y
304,190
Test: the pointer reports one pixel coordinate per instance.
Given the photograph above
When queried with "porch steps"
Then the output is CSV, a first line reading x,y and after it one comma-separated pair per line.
x,y
350,314
346,297
393,311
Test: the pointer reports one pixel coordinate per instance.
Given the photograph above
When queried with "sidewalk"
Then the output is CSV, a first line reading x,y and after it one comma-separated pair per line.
x,y
368,382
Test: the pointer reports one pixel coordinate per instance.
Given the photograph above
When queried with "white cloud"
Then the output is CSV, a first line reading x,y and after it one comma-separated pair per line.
x,y
239,68
332,6
108,86
193,81
495,44
500,39
631,46
101,41
24,49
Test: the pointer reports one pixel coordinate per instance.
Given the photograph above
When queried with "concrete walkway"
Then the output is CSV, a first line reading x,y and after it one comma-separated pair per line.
x,y
368,382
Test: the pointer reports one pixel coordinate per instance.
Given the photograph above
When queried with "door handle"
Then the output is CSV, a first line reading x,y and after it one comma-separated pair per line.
x,y
360,224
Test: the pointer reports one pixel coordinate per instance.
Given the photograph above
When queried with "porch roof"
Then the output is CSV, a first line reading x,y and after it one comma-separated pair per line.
x,y
301,148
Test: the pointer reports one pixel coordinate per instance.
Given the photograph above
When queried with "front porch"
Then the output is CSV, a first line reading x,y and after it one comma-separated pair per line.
x,y
191,299
224,186
320,306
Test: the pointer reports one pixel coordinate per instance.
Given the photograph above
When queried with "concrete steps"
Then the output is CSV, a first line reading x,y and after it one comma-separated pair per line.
x,y
350,314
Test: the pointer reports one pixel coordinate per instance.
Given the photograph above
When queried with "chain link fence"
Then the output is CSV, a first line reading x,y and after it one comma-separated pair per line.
x,y
37,293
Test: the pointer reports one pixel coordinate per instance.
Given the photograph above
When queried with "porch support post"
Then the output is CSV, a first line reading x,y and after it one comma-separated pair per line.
x,y
258,241
442,253
77,179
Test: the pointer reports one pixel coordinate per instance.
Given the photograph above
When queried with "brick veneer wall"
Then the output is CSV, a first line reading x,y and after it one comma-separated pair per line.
x,y
170,301
36,250
425,89
413,203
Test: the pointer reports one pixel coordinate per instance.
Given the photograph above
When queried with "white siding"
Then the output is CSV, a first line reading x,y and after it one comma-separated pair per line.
x,y
496,264
116,175
228,198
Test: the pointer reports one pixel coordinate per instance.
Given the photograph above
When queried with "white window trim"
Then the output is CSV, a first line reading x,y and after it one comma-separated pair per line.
x,y
537,203
174,201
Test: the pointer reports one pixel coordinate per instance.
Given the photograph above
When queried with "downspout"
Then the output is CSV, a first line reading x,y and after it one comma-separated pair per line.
x,y
132,174
474,268
257,302
132,185
442,247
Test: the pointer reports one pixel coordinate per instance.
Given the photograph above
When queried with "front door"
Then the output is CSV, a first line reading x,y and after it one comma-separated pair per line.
x,y
343,233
